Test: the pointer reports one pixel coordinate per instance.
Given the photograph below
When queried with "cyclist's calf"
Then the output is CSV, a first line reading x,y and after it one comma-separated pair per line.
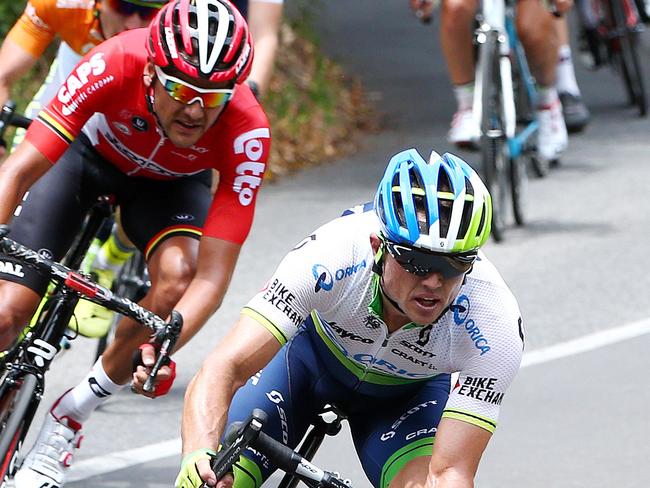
x,y
18,303
535,26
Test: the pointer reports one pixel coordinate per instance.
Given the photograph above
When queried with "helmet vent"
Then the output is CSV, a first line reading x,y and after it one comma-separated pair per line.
x,y
467,209
445,203
193,19
396,196
481,224
213,20
418,190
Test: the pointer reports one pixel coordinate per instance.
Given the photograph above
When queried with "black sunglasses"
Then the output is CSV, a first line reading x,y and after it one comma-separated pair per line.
x,y
422,263
126,8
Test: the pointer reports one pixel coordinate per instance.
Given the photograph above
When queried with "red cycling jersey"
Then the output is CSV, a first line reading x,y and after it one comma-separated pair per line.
x,y
105,95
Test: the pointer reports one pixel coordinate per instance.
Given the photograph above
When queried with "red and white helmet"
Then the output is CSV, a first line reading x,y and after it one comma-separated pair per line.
x,y
206,39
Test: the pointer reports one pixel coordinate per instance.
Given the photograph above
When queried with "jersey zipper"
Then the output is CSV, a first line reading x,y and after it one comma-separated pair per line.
x,y
151,156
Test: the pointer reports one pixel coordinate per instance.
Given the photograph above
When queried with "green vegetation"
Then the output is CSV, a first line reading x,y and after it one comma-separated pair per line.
x,y
9,12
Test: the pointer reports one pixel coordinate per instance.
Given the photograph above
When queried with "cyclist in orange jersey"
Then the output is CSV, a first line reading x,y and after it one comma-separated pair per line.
x,y
79,24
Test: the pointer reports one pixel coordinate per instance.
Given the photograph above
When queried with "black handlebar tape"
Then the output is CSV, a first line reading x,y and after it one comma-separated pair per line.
x,y
20,121
279,455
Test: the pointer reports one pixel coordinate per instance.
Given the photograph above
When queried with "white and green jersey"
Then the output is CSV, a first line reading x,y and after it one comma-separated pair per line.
x,y
327,283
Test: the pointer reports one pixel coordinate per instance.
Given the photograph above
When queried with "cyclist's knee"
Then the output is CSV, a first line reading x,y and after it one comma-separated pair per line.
x,y
18,304
456,13
535,24
171,280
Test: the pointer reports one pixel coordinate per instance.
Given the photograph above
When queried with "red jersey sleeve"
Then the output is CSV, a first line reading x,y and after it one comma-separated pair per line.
x,y
95,82
231,214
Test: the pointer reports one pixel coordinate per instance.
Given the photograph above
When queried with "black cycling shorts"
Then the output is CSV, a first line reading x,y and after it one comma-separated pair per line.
x,y
53,210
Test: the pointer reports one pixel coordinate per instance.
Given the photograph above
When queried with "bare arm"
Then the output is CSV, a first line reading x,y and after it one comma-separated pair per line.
x,y
215,266
14,63
17,174
245,350
264,20
456,454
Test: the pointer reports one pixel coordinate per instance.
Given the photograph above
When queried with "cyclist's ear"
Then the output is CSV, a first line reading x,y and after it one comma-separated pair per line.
x,y
148,74
375,243
378,249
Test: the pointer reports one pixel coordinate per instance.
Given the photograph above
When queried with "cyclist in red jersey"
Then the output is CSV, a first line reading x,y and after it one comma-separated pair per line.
x,y
148,125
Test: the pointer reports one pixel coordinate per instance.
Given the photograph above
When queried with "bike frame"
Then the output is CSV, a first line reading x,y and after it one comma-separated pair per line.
x,y
42,343
498,16
32,356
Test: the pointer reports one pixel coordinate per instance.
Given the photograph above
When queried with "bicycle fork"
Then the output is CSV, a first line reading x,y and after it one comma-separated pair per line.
x,y
509,122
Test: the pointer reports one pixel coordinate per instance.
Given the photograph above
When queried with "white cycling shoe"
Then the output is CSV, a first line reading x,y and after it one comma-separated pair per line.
x,y
48,461
553,138
464,131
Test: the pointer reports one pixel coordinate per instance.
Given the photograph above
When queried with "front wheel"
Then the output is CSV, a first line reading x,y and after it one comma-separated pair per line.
x,y
519,187
16,403
493,137
496,181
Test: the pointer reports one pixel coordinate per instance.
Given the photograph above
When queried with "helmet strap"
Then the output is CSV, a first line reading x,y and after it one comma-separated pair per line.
x,y
149,97
390,300
378,268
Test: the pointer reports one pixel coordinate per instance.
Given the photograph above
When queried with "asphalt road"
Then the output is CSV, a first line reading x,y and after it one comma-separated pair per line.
x,y
577,269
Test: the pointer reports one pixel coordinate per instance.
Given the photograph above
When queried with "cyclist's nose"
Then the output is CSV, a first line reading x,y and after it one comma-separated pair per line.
x,y
194,110
433,280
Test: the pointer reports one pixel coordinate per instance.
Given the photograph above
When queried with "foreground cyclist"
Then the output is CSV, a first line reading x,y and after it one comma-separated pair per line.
x,y
158,107
371,313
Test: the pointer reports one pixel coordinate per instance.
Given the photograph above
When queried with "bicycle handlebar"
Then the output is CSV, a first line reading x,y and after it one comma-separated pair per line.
x,y
165,334
249,433
9,117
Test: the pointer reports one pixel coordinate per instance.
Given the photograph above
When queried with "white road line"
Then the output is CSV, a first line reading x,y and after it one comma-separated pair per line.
x,y
124,459
586,343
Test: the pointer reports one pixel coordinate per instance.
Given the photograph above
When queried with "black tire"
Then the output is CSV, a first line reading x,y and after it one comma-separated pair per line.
x,y
17,406
525,115
629,59
519,187
493,134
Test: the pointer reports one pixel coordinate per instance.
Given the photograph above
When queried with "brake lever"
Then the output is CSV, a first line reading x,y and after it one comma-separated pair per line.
x,y
166,339
239,437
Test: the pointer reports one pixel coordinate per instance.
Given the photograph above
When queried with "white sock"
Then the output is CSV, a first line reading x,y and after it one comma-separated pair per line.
x,y
464,96
79,402
566,77
546,96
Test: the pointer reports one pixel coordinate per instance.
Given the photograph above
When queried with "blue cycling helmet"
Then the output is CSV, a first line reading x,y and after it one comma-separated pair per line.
x,y
440,205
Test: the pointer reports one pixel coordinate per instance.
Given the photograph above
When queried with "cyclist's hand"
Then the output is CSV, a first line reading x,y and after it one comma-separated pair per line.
x,y
164,378
195,470
423,9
